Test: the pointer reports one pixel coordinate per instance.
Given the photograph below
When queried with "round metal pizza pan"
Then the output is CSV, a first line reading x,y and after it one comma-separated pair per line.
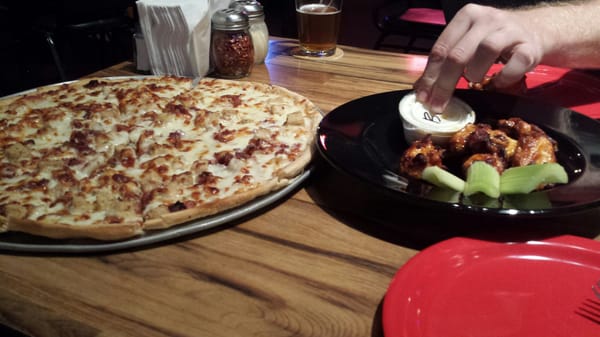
x,y
25,243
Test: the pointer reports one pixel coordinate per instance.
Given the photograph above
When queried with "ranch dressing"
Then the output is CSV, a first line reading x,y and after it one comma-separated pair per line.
x,y
417,121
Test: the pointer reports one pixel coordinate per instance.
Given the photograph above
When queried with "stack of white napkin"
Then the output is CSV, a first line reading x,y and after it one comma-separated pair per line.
x,y
177,34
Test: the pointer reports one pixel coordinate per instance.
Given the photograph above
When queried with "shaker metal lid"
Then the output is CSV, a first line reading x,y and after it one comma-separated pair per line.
x,y
251,8
229,19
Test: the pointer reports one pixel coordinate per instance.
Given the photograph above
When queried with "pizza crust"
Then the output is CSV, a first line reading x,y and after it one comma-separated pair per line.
x,y
106,232
217,206
156,146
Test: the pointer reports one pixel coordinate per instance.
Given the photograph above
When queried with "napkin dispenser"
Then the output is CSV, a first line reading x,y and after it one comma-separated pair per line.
x,y
177,35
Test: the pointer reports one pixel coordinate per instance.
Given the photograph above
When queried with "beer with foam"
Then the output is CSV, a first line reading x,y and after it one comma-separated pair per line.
x,y
318,27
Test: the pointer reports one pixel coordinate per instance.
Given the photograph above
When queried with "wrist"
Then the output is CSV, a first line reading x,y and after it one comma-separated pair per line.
x,y
564,33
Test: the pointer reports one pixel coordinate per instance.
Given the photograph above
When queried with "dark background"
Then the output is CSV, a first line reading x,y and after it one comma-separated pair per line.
x,y
27,61
26,57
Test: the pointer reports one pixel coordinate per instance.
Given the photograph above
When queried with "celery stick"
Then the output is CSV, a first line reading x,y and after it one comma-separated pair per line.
x,y
482,177
442,178
524,179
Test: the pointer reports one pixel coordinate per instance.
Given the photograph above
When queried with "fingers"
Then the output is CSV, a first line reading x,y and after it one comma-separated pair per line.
x,y
519,56
453,31
449,57
469,46
443,88
522,60
445,67
437,59
461,60
485,56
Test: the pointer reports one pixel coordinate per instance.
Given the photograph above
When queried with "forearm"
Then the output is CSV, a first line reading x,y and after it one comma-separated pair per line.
x,y
569,32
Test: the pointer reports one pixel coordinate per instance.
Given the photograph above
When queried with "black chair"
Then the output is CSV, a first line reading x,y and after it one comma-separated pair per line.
x,y
79,31
410,20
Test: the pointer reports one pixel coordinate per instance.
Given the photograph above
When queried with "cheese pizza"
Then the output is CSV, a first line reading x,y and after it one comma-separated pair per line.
x,y
114,158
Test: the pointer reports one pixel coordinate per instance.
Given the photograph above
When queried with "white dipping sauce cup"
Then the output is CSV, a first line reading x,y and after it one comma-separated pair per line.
x,y
417,121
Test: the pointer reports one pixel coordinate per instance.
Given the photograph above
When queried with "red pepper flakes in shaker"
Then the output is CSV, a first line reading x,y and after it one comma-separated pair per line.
x,y
258,28
232,51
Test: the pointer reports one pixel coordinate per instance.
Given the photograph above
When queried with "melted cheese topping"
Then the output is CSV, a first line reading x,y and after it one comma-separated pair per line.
x,y
119,151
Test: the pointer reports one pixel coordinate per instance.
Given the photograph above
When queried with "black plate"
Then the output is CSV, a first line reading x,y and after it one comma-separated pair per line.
x,y
365,138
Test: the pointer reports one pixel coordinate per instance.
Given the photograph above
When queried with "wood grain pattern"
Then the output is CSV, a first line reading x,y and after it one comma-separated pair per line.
x,y
316,264
263,277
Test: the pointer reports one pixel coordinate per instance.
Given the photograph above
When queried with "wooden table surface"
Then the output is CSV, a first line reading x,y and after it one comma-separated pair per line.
x,y
317,263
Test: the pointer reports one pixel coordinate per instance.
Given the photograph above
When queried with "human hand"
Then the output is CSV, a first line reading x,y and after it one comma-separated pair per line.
x,y
472,42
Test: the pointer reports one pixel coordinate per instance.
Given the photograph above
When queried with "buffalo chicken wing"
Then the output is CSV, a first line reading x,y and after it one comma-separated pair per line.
x,y
534,145
419,155
513,143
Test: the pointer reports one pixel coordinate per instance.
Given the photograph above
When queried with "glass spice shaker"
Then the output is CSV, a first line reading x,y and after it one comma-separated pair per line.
x,y
258,27
232,52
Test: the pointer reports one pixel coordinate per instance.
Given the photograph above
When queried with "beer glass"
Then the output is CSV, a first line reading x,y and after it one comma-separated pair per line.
x,y
318,26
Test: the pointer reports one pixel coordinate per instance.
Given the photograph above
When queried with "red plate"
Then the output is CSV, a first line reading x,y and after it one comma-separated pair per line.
x,y
471,288
578,90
